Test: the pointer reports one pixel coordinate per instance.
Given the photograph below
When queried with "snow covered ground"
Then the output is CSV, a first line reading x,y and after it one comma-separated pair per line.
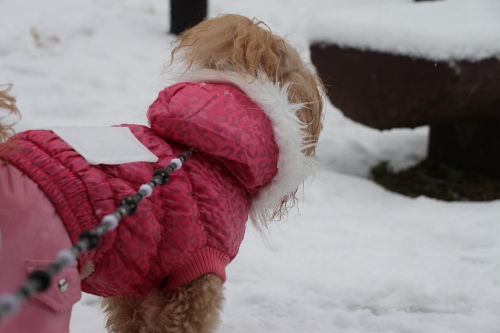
x,y
356,259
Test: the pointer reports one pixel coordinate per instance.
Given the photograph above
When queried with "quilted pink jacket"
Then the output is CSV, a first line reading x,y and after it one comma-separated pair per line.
x,y
189,227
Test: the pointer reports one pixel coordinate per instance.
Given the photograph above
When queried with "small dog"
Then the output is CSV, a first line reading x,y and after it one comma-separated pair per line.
x,y
7,103
253,110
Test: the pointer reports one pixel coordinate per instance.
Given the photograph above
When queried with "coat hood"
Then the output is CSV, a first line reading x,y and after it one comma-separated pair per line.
x,y
293,166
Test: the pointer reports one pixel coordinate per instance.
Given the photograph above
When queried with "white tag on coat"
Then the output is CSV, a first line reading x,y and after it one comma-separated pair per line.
x,y
105,145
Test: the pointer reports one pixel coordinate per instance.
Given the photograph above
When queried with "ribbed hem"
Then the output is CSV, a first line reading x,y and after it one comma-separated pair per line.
x,y
205,260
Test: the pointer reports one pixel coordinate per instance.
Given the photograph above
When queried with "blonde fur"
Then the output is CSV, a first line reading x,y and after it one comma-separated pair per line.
x,y
194,308
8,103
234,43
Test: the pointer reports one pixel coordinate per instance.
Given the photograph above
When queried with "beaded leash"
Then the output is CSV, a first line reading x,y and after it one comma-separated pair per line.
x,y
40,280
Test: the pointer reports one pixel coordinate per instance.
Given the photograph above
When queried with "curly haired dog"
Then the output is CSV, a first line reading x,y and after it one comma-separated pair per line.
x,y
251,107
7,103
236,44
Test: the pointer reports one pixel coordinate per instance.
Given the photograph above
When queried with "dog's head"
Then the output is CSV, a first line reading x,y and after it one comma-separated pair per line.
x,y
234,43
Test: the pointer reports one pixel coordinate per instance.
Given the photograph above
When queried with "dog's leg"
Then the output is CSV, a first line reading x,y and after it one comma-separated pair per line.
x,y
194,308
123,314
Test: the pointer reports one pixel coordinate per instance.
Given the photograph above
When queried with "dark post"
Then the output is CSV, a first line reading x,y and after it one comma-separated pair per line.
x,y
185,14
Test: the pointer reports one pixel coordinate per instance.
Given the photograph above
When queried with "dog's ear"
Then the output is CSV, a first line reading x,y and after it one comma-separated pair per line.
x,y
194,308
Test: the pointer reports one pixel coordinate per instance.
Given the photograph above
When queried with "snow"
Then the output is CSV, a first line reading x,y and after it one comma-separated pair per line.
x,y
355,258
449,30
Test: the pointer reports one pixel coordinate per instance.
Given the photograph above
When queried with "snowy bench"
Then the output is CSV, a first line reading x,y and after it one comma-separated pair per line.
x,y
408,64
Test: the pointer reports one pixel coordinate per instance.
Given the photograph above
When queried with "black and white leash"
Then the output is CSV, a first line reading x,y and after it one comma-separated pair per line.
x,y
40,280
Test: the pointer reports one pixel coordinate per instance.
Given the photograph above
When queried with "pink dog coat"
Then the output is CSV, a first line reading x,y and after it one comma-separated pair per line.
x,y
249,141
190,227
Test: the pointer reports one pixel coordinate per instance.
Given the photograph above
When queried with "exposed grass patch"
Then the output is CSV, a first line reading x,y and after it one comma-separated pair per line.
x,y
437,180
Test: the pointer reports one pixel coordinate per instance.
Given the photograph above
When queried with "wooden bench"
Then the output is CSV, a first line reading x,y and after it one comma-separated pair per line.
x,y
459,99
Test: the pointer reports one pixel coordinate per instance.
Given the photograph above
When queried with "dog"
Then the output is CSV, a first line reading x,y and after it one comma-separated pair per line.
x,y
7,104
248,103
209,45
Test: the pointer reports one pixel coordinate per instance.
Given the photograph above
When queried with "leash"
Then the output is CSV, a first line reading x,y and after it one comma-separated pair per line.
x,y
40,280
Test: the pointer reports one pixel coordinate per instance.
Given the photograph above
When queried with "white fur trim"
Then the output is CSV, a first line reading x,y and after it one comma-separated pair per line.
x,y
293,166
